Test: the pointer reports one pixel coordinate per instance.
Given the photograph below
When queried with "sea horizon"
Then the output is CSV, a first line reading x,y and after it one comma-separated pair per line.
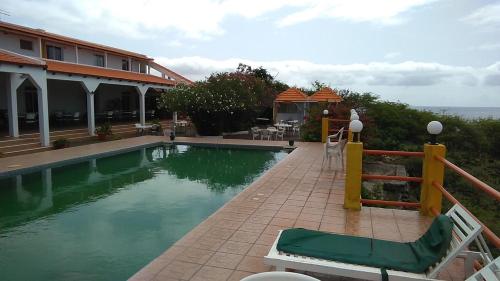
x,y
466,112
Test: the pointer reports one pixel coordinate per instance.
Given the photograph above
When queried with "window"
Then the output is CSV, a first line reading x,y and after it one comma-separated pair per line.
x,y
26,45
125,65
54,53
99,60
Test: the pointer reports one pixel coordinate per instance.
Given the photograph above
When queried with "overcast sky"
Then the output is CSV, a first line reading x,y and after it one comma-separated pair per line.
x,y
421,52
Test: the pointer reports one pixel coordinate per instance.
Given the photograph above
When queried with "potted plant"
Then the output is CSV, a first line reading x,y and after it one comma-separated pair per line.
x,y
60,143
172,136
291,142
103,131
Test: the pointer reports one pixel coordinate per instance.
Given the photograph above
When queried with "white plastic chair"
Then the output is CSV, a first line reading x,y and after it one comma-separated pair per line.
x,y
334,148
490,272
280,133
279,276
255,132
265,134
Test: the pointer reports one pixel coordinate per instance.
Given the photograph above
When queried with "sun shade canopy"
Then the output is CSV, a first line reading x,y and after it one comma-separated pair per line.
x,y
326,95
292,95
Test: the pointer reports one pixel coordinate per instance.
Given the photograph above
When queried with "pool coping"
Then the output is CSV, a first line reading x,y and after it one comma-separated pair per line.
x,y
148,142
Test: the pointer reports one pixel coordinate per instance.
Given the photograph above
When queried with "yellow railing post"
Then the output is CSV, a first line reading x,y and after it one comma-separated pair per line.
x,y
349,135
324,129
354,160
432,171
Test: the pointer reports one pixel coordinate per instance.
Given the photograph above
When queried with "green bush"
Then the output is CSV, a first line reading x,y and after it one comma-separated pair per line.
x,y
60,143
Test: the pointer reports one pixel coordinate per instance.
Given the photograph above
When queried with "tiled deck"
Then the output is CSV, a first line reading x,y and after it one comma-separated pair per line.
x,y
230,244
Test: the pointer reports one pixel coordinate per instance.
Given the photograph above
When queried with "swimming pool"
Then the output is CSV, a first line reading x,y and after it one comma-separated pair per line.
x,y
105,218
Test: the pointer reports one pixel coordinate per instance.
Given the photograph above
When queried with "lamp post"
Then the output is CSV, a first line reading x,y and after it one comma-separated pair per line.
x,y
434,128
356,126
325,112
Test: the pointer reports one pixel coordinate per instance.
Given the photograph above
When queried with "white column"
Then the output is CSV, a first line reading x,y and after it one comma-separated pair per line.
x,y
129,64
149,69
141,90
142,108
43,112
106,59
90,113
174,121
89,87
15,80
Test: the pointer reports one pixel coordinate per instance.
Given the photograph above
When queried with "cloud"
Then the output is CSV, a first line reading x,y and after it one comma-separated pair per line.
x,y
197,19
379,11
302,73
488,15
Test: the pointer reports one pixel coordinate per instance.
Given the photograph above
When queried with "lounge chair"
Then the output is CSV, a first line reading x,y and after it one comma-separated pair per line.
x,y
279,276
373,259
490,272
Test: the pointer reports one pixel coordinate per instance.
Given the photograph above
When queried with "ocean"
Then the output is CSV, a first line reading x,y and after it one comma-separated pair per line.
x,y
469,113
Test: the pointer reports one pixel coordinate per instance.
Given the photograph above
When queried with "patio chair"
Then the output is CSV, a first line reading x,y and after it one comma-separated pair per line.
x,y
334,148
133,115
59,115
280,133
255,132
373,259
279,276
296,129
490,272
76,117
109,115
30,118
265,134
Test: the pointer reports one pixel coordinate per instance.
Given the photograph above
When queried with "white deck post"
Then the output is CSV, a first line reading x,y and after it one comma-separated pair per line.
x,y
43,112
90,113
90,86
141,90
15,81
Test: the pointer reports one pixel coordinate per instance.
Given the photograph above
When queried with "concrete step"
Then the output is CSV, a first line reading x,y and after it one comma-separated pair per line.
x,y
19,147
26,151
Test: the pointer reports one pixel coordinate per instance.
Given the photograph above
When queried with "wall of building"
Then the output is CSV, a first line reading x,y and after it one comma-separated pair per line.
x,y
69,53
86,56
66,96
115,62
110,97
11,43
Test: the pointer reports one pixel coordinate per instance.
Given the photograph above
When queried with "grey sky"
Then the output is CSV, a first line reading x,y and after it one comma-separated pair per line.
x,y
422,52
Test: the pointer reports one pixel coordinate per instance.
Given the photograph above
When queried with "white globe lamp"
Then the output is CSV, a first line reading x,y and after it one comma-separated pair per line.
x,y
325,112
434,128
356,127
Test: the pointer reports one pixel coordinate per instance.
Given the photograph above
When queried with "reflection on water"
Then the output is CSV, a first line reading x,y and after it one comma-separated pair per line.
x,y
118,211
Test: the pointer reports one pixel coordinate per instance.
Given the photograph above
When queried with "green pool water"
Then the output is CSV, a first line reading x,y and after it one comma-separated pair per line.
x,y
105,218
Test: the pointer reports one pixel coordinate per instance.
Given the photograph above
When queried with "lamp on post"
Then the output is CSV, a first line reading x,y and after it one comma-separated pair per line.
x,y
356,126
325,112
434,128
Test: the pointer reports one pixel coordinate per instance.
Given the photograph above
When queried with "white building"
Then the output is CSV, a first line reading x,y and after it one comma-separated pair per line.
x,y
45,78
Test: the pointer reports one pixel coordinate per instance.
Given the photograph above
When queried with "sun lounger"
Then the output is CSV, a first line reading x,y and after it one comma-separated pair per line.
x,y
374,259
490,272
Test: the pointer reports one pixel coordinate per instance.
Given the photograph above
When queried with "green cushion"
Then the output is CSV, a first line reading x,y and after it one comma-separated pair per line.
x,y
412,256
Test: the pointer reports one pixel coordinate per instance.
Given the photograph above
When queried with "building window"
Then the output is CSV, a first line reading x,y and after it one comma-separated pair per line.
x,y
54,53
125,65
99,60
26,45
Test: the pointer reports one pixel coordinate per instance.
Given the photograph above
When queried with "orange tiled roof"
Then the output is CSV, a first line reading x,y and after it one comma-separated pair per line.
x,y
14,28
292,95
71,68
326,95
13,58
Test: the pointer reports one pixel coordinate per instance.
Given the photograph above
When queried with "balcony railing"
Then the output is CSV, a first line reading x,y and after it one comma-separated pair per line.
x,y
431,181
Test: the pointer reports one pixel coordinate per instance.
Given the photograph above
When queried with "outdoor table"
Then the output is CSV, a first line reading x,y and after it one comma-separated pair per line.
x,y
142,128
